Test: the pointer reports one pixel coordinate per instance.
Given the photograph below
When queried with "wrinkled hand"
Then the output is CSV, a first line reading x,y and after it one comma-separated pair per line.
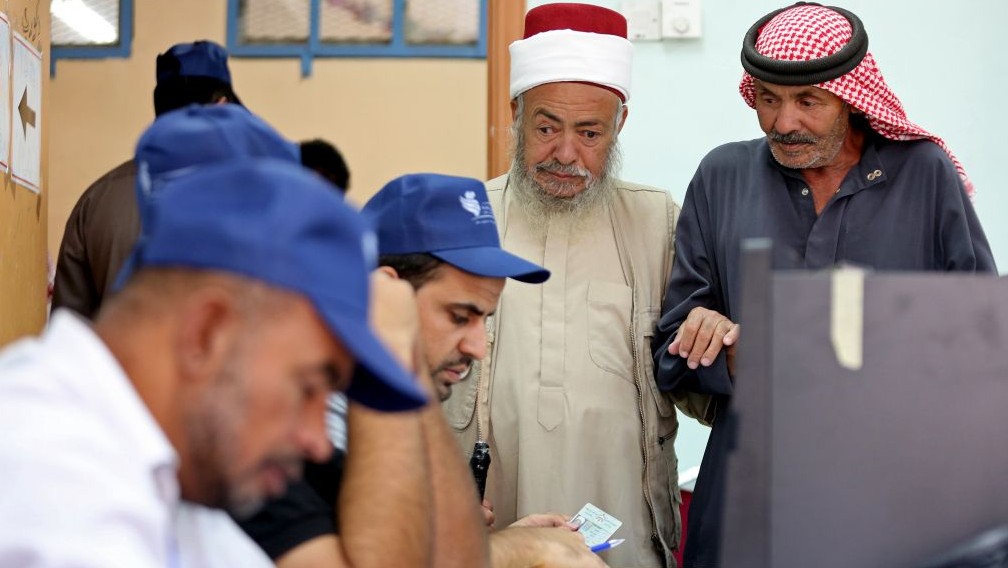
x,y
702,336
550,520
489,519
567,549
556,547
394,318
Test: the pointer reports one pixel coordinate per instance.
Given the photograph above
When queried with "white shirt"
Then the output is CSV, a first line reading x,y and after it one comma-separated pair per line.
x,y
208,538
87,478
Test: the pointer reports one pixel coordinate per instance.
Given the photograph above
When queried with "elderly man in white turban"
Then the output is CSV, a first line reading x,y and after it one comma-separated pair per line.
x,y
566,397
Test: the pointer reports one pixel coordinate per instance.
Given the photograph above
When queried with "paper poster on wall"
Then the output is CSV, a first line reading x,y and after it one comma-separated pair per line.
x,y
5,108
26,114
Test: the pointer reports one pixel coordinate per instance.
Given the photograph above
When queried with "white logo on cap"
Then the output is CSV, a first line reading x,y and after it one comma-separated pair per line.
x,y
481,212
469,203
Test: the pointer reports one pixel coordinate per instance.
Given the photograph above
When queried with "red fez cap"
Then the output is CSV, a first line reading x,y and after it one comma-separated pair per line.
x,y
577,17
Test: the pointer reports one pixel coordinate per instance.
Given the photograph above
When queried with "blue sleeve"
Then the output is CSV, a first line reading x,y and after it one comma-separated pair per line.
x,y
961,237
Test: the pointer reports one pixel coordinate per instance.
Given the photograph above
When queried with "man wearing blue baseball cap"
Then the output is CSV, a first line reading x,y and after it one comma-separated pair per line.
x,y
437,233
205,377
174,145
104,223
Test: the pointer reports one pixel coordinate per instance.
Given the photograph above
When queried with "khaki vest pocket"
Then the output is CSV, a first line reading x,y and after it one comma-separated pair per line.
x,y
610,306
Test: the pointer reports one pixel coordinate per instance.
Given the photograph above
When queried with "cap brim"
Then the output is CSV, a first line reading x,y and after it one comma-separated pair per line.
x,y
379,381
494,263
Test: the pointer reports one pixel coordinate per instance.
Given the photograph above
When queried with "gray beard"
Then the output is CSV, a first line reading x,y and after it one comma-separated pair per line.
x,y
541,207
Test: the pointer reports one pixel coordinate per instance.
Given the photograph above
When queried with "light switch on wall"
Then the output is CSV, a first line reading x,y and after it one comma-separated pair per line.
x,y
681,18
643,19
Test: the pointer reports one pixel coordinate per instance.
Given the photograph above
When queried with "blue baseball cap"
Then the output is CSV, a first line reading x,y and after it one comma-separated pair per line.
x,y
449,218
197,135
276,222
197,59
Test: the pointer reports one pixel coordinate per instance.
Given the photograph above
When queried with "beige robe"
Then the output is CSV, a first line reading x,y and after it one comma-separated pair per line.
x,y
569,405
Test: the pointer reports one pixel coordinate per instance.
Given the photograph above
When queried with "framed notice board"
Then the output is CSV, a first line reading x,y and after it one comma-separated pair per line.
x,y
24,57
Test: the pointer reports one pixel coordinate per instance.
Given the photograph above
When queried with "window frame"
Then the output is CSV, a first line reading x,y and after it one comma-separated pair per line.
x,y
315,47
121,50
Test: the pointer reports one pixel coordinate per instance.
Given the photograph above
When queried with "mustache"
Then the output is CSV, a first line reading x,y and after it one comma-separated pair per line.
x,y
792,138
555,167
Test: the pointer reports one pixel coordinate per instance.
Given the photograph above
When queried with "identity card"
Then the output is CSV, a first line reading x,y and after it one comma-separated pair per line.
x,y
595,524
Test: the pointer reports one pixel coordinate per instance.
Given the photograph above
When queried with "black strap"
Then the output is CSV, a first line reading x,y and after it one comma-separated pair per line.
x,y
811,72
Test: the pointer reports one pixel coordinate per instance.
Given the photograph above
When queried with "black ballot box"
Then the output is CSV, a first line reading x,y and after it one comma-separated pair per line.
x,y
870,414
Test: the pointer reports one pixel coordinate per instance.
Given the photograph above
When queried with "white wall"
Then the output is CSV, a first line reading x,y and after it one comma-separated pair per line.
x,y
946,61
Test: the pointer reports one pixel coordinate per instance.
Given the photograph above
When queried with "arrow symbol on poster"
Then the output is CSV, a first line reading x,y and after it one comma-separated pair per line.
x,y
26,112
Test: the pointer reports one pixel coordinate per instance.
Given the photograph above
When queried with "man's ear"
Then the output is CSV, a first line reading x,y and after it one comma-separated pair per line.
x,y
208,329
624,111
389,271
514,109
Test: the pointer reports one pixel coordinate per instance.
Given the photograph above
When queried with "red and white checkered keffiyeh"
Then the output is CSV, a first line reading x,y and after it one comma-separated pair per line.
x,y
809,32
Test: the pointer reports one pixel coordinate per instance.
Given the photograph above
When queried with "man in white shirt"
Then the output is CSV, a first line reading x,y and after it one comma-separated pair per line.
x,y
204,378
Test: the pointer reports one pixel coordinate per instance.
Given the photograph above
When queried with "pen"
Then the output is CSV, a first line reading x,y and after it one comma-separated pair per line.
x,y
607,545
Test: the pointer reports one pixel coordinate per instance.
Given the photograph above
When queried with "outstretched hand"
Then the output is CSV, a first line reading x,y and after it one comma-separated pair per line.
x,y
702,336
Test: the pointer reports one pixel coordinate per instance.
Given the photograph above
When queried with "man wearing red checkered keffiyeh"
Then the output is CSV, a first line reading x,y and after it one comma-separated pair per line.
x,y
841,176
814,32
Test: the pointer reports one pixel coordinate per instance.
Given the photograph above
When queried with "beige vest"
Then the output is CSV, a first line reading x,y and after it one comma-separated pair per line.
x,y
569,405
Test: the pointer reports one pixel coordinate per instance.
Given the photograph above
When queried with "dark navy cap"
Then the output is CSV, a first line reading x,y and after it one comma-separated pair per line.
x,y
449,218
196,59
276,222
198,135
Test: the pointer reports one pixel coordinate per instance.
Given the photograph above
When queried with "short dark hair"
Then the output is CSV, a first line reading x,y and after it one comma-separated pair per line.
x,y
178,92
415,268
322,157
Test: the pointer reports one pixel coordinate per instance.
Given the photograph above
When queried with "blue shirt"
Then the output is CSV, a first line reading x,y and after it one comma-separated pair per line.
x,y
902,207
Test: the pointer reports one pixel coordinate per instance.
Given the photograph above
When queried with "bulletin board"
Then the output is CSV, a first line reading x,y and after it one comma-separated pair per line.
x,y
24,61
